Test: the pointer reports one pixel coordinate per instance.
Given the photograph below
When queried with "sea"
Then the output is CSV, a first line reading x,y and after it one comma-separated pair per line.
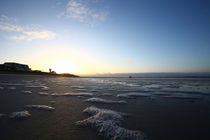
x,y
42,107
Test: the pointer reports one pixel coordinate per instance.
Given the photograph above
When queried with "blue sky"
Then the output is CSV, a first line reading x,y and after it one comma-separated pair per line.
x,y
107,36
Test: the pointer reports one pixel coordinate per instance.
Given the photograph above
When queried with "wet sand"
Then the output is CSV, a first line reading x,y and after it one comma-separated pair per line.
x,y
157,117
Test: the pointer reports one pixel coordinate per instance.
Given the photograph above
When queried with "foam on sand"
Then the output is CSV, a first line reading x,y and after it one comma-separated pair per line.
x,y
12,84
100,100
133,95
56,94
81,97
94,110
86,94
41,107
27,92
107,123
35,86
81,87
20,115
43,93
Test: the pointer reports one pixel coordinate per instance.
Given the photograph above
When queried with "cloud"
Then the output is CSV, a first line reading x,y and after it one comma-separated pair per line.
x,y
21,37
80,11
26,32
35,35
10,27
77,10
8,19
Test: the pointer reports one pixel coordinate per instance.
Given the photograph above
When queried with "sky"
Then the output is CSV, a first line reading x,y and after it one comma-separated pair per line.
x,y
106,36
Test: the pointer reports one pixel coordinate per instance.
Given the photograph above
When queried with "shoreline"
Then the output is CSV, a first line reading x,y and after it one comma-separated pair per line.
x,y
76,76
36,73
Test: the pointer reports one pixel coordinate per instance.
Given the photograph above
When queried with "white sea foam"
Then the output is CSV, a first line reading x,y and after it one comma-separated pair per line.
x,y
12,84
124,96
81,97
152,86
27,92
20,114
133,95
100,100
94,110
56,94
107,123
1,87
43,93
79,94
38,86
45,88
84,94
80,87
41,107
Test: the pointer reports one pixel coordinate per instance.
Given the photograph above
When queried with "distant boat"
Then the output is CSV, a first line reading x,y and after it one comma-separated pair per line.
x,y
130,76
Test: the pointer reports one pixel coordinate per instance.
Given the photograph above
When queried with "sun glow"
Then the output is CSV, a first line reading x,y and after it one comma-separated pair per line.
x,y
64,67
